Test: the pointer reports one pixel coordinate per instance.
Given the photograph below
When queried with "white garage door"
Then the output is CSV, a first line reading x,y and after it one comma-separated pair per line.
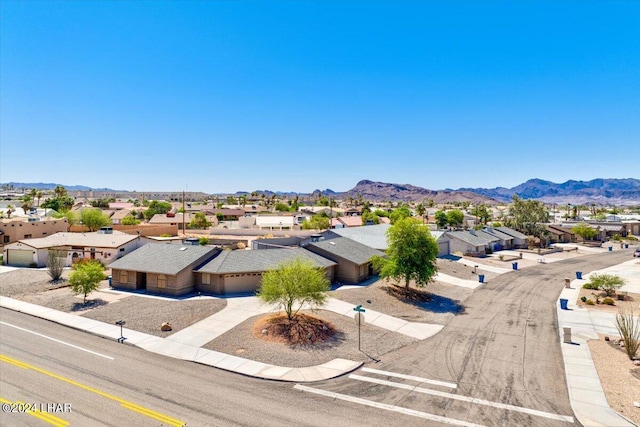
x,y
19,257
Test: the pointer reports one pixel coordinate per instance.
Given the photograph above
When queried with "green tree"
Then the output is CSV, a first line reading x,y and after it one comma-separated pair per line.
x,y
293,284
585,231
27,202
528,217
369,216
130,220
399,213
482,213
411,254
282,207
441,219
156,207
316,222
199,220
94,218
455,217
85,278
203,241
606,282
10,210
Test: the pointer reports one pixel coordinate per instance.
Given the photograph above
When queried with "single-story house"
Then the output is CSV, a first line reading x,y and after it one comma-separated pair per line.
x,y
443,242
519,239
350,221
161,268
505,242
275,222
105,247
172,219
560,234
241,271
353,258
374,236
225,214
471,242
119,215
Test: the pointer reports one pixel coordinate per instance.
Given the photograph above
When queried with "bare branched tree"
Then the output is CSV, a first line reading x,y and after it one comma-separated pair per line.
x,y
628,326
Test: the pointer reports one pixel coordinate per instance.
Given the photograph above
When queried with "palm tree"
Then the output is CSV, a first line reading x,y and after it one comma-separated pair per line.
x,y
38,196
9,211
420,210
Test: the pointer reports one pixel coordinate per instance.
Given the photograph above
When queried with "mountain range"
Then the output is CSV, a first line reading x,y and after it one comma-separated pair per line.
x,y
611,191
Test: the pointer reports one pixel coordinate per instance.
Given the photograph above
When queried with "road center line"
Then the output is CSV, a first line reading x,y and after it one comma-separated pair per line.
x,y
55,340
410,377
165,419
400,409
466,399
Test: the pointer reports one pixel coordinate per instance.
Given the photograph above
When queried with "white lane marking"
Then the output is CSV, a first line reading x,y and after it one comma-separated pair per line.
x,y
410,377
58,341
400,409
466,399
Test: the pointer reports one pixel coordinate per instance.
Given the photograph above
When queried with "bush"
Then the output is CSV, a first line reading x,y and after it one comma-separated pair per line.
x,y
608,301
33,265
583,299
628,326
607,282
592,286
589,302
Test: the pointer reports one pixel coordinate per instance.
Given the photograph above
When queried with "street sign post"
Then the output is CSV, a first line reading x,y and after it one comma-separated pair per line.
x,y
359,318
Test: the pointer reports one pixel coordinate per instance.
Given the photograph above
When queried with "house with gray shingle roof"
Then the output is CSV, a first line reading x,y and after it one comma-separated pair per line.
x,y
519,239
241,271
160,267
353,258
506,241
471,242
374,236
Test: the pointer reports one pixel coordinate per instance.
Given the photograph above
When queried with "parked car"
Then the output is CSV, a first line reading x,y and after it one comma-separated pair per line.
x,y
636,254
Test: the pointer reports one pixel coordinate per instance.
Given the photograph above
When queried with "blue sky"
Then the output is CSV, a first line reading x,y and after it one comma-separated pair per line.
x,y
224,96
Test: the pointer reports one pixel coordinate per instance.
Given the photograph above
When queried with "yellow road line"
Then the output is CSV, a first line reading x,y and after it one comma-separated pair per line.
x,y
126,404
44,416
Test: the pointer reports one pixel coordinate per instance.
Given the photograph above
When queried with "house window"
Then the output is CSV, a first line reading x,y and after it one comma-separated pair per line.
x,y
206,279
162,281
121,249
124,277
6,239
27,236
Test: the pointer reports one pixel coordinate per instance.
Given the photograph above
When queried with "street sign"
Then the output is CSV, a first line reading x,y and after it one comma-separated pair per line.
x,y
359,319
359,309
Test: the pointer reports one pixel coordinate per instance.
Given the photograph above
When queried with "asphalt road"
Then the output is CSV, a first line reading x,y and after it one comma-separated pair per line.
x,y
504,350
137,388
498,364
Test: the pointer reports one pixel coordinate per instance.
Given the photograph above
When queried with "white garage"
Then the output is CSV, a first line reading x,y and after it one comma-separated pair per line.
x,y
20,257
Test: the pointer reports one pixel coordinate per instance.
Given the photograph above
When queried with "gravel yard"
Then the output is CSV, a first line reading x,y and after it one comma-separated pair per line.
x,y
462,271
616,374
142,314
375,343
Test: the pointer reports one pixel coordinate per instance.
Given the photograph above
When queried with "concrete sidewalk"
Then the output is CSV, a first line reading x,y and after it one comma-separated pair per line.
x,y
587,397
165,347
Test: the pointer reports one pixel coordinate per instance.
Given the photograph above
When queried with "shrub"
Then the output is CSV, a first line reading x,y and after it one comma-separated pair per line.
x,y
591,286
165,235
583,299
589,302
628,326
608,301
33,265
501,257
607,282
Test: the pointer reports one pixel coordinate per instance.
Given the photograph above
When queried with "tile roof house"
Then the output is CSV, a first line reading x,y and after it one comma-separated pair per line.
x,y
351,221
241,271
101,246
161,268
353,258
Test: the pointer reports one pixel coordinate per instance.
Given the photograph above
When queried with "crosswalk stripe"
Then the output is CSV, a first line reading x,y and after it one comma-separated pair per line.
x,y
410,377
465,399
399,409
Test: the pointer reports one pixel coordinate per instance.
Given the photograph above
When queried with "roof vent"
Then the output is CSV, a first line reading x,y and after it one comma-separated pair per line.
x,y
332,243
183,248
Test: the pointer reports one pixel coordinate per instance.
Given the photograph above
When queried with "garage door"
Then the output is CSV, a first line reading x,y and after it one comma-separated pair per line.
x,y
19,257
234,283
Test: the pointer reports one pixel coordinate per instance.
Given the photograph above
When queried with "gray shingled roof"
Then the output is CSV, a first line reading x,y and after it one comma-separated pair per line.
x,y
259,260
374,236
162,258
512,232
348,249
479,239
497,233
